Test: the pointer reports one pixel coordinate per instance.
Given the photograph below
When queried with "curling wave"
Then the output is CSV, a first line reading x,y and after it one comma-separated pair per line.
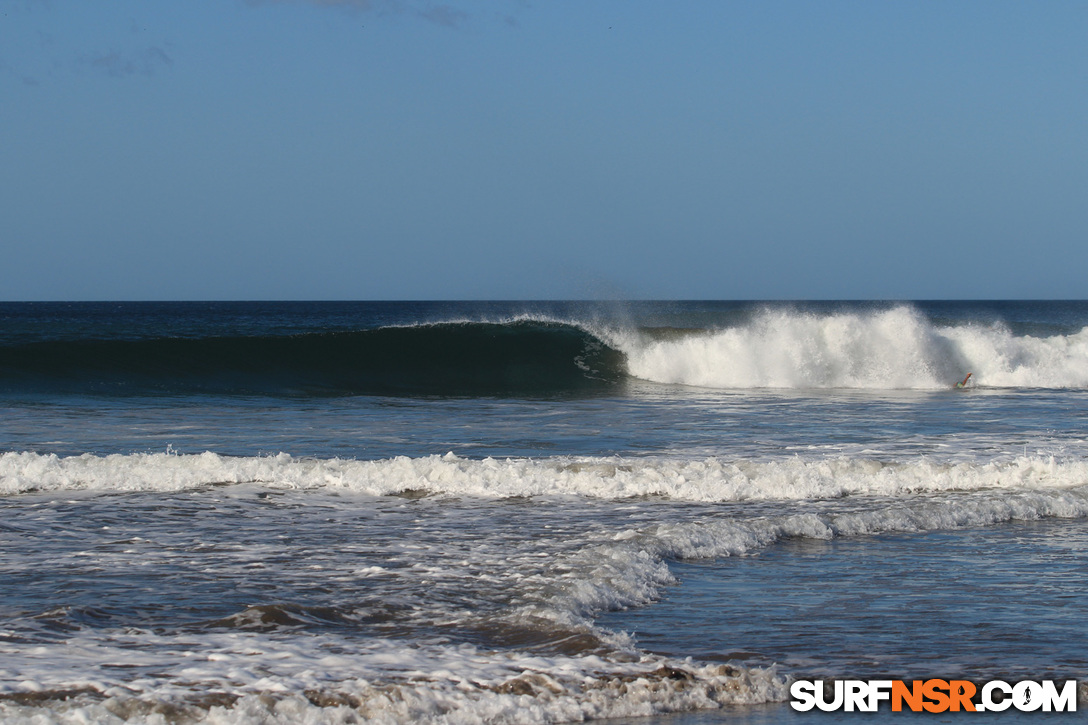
x,y
456,358
777,348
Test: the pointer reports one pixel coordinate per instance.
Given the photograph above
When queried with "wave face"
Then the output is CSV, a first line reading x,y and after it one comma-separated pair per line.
x,y
889,349
457,358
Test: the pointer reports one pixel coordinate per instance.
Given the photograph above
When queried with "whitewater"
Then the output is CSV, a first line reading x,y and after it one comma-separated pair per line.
x,y
532,512
606,478
891,349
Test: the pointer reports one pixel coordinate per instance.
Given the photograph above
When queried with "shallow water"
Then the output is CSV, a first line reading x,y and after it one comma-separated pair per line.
x,y
1001,602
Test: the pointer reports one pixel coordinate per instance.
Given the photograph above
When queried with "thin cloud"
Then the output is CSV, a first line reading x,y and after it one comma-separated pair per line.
x,y
447,16
119,65
351,4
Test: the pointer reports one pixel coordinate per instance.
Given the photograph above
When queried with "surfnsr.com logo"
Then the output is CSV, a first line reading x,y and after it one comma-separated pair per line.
x,y
934,696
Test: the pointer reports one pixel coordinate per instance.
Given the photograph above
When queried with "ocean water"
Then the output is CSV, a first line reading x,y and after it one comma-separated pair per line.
x,y
533,512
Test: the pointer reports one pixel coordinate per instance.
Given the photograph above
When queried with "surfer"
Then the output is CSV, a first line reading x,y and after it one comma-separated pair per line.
x,y
964,383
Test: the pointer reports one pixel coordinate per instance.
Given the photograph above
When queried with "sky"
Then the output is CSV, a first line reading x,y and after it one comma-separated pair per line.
x,y
553,149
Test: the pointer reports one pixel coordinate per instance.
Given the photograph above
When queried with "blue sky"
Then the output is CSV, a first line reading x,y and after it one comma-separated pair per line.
x,y
405,149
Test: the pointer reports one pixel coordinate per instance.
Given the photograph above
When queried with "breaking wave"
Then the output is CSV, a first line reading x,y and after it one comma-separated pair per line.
x,y
891,349
710,480
457,358
896,348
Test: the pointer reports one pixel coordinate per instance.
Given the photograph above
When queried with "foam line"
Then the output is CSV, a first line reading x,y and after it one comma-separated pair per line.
x,y
709,479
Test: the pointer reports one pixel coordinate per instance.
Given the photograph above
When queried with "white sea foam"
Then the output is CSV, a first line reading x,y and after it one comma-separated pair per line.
x,y
245,676
135,675
709,479
326,679
890,349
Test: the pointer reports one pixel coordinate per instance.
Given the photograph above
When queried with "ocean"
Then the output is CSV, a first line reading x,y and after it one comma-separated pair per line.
x,y
477,512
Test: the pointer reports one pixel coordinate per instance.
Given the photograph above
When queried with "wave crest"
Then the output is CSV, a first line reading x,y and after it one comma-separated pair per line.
x,y
889,349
